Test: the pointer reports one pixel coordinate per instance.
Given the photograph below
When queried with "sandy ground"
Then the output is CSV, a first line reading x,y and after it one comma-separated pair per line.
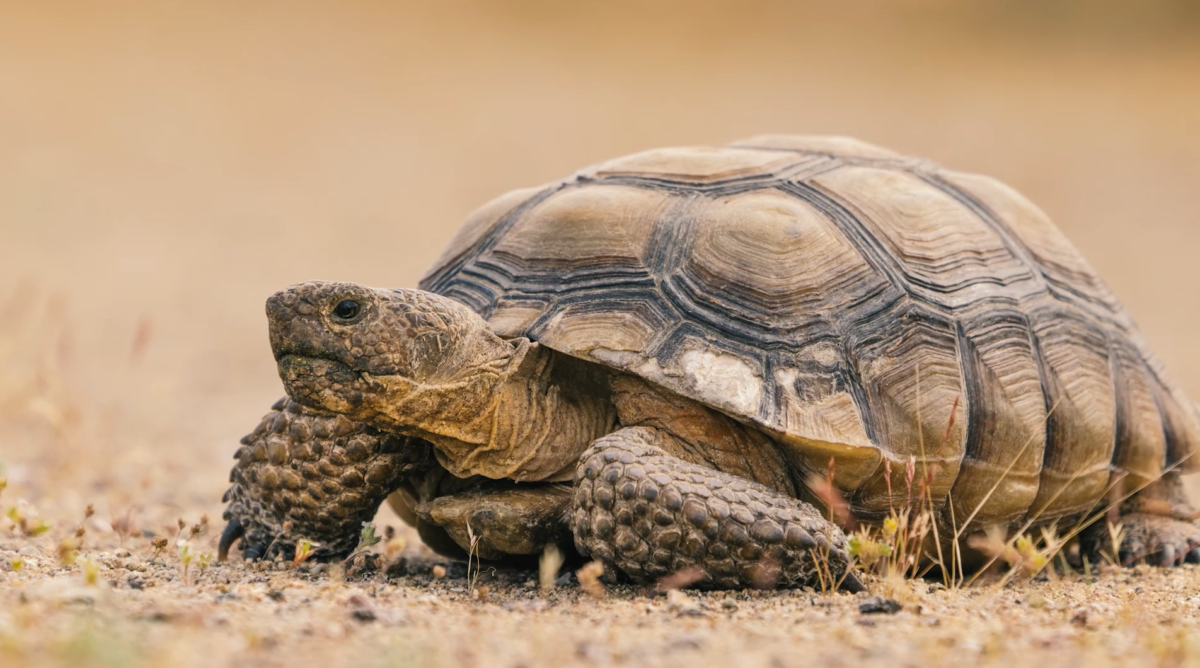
x,y
165,167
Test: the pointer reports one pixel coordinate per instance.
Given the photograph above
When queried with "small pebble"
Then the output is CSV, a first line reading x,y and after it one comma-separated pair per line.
x,y
879,605
360,608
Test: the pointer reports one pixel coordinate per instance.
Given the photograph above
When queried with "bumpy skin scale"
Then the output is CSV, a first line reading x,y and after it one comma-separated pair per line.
x,y
649,515
307,475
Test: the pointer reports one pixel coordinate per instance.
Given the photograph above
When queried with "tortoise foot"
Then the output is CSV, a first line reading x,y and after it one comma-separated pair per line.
x,y
653,516
1149,539
303,475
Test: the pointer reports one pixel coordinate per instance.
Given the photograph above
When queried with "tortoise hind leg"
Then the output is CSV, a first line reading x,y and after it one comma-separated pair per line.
x,y
649,515
1157,527
1158,540
497,521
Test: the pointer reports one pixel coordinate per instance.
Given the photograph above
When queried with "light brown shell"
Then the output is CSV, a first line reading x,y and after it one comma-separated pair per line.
x,y
847,300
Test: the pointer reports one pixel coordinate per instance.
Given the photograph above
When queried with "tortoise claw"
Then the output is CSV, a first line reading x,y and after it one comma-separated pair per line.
x,y
852,584
254,552
233,531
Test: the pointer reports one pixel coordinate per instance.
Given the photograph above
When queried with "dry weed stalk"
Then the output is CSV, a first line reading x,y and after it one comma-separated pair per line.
x,y
589,579
548,565
472,556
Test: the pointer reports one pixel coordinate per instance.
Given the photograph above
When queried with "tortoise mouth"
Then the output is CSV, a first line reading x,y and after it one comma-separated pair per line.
x,y
305,366
318,382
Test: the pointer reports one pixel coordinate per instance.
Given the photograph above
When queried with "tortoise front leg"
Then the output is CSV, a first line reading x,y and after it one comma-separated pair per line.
x,y
650,515
308,475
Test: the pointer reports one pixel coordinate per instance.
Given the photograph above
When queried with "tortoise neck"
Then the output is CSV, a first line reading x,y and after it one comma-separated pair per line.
x,y
530,424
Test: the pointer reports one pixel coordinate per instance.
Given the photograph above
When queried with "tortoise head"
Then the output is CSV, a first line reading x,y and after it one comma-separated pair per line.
x,y
368,352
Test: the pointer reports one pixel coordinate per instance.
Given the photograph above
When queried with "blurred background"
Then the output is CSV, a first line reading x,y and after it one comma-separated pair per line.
x,y
165,166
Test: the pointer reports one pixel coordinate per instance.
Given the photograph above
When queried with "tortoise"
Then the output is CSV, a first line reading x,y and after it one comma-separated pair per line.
x,y
653,359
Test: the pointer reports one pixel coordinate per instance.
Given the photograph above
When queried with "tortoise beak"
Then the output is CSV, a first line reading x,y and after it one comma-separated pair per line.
x,y
295,328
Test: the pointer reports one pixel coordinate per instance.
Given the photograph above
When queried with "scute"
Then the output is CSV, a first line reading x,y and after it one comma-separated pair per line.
x,y
943,249
855,304
910,370
1081,426
695,368
586,329
695,164
586,228
774,258
1063,266
1006,437
845,147
482,221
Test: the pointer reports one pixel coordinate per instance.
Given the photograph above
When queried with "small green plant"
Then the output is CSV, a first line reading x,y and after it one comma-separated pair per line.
x,y
91,572
30,527
185,559
304,550
867,550
366,540
67,551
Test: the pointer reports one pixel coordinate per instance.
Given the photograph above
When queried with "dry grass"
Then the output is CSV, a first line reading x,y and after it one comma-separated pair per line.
x,y
164,167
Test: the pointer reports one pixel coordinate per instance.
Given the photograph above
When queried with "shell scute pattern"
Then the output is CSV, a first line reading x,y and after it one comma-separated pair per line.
x,y
846,299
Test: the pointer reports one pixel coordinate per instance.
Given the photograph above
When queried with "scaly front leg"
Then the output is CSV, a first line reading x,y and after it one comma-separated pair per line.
x,y
650,514
305,475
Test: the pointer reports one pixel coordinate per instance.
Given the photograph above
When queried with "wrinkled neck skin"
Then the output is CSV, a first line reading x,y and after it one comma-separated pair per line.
x,y
525,416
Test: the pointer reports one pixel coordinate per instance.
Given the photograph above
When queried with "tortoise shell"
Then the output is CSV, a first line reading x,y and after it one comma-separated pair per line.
x,y
851,302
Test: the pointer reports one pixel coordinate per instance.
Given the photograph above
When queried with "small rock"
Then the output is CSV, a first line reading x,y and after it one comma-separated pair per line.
x,y
686,642
729,605
360,608
1084,619
363,614
592,652
534,605
439,572
682,604
879,605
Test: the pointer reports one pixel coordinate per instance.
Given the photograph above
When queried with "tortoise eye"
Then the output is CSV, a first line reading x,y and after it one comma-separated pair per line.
x,y
346,309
